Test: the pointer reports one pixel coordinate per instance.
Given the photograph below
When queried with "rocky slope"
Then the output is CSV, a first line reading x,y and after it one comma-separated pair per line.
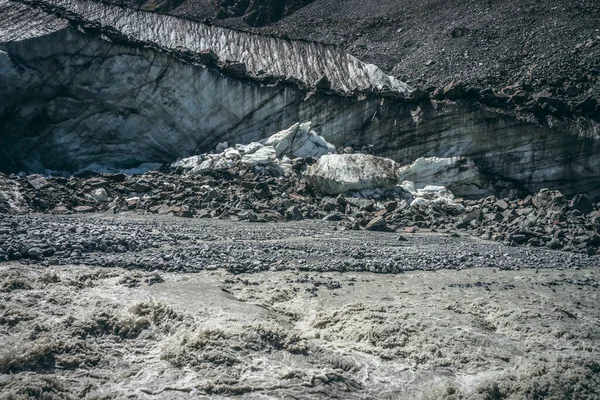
x,y
96,86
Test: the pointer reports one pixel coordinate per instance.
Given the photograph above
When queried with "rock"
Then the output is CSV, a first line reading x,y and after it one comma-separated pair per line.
x,y
116,177
554,245
164,210
333,217
459,174
293,214
381,213
323,83
208,56
262,191
37,181
96,182
341,173
367,205
572,91
549,200
84,209
581,203
587,106
454,90
299,141
519,238
141,187
211,195
391,205
526,202
60,210
377,224
509,215
492,99
34,252
502,204
237,69
329,204
496,217
521,97
550,104
131,202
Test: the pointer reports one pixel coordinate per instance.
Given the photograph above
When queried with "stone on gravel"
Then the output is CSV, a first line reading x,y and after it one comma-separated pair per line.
x,y
341,173
377,224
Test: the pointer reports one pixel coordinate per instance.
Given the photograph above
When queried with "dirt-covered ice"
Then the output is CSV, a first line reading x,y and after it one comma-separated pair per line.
x,y
483,333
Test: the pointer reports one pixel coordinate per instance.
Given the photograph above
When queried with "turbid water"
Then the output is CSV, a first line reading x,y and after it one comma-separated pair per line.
x,y
84,331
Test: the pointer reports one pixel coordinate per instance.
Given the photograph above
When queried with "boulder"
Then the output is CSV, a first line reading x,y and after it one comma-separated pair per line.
x,y
550,200
300,141
582,203
293,213
37,181
377,224
341,173
459,174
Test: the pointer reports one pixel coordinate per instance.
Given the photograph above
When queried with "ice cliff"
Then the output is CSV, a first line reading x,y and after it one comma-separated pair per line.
x,y
87,85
